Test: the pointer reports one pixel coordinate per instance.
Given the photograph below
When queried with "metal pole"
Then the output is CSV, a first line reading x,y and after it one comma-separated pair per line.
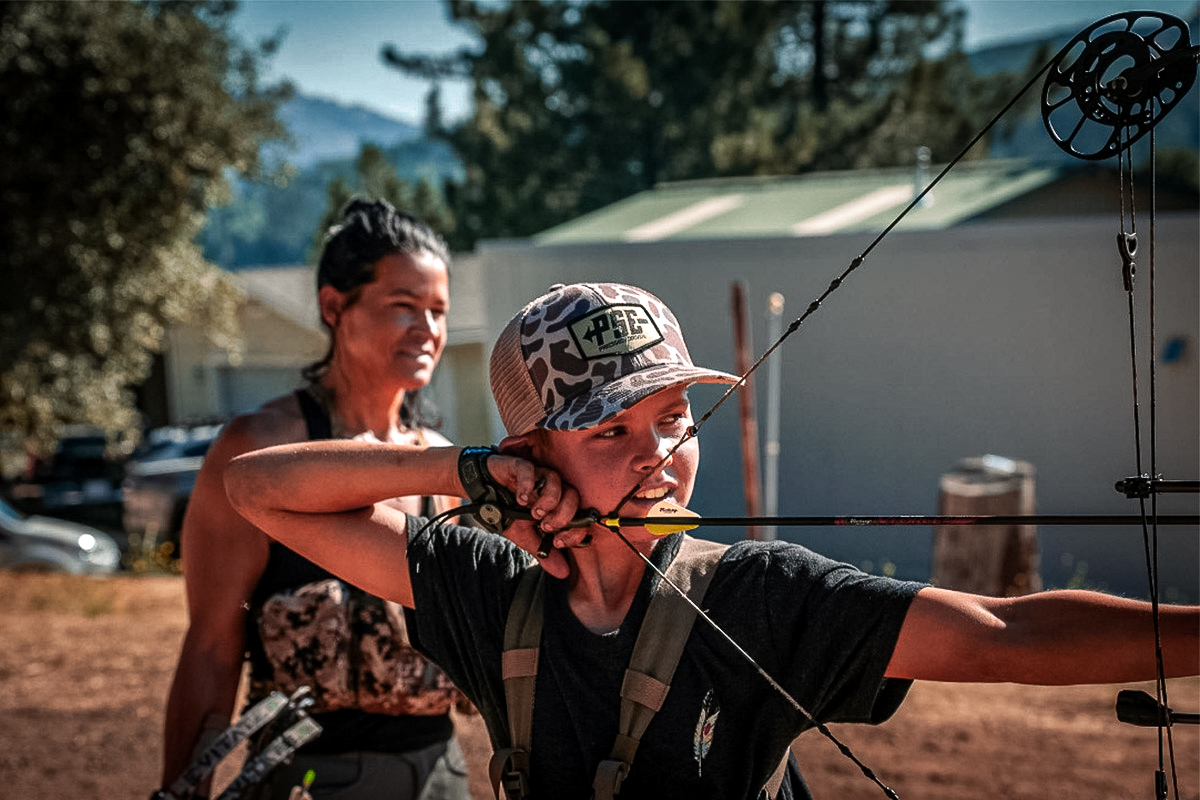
x,y
771,445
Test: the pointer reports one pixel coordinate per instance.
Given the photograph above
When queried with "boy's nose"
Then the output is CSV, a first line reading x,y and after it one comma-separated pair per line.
x,y
651,449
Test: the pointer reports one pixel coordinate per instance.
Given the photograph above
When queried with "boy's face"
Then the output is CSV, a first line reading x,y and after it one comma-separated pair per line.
x,y
603,463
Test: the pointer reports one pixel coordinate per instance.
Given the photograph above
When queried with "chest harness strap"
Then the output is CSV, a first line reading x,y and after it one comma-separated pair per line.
x,y
509,766
660,642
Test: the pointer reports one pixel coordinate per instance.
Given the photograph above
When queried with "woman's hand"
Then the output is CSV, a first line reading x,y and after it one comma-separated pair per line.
x,y
552,503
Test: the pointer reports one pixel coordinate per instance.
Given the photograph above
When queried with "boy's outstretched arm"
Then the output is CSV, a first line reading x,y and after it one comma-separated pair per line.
x,y
1048,638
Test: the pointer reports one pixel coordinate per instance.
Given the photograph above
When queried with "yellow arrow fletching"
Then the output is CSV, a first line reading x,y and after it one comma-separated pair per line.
x,y
664,508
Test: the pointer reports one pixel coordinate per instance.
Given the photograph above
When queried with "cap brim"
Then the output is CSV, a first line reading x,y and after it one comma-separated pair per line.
x,y
605,402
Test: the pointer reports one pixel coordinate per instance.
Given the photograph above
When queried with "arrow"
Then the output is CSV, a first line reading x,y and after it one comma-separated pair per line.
x,y
671,524
667,517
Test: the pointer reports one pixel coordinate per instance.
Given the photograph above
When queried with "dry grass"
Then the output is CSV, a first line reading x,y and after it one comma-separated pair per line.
x,y
86,664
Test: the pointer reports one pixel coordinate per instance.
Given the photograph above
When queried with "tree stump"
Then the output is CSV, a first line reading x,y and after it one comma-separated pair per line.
x,y
995,560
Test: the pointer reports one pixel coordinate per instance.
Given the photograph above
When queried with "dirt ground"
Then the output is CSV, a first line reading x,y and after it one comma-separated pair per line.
x,y
85,665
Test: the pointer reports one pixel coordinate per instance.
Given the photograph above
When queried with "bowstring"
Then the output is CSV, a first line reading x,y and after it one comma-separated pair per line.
x,y
1153,455
1149,521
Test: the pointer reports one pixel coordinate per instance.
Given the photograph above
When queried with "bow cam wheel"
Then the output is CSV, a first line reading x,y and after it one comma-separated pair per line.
x,y
1115,80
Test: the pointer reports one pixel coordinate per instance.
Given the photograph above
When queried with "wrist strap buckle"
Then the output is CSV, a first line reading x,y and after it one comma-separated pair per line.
x,y
493,502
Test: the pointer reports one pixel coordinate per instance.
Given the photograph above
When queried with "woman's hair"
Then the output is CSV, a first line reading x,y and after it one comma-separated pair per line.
x,y
370,230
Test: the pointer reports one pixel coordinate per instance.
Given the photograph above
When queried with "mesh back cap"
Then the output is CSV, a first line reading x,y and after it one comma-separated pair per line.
x,y
581,354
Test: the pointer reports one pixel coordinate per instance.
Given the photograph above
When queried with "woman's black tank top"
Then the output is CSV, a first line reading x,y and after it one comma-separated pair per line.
x,y
346,730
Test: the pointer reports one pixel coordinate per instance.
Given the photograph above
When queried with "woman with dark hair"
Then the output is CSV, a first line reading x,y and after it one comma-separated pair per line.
x,y
383,292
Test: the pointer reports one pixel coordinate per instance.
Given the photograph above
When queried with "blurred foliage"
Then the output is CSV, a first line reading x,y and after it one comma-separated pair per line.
x,y
121,122
376,178
1179,166
580,104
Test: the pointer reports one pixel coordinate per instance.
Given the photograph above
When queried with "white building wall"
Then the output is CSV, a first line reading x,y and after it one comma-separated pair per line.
x,y
1008,338
203,383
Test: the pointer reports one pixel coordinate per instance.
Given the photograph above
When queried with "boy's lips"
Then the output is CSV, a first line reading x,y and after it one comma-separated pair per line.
x,y
647,499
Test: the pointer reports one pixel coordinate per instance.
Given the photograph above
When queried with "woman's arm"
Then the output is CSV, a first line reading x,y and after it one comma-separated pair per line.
x,y
1049,638
223,558
325,501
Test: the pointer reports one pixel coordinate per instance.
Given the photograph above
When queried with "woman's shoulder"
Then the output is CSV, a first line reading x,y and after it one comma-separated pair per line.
x,y
277,421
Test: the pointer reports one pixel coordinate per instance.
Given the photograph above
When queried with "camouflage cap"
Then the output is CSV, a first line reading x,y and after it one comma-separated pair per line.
x,y
581,354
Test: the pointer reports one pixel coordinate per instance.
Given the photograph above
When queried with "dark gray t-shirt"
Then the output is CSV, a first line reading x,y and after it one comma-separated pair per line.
x,y
824,630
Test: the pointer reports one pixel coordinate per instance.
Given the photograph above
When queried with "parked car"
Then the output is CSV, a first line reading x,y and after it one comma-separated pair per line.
x,y
54,545
79,483
158,484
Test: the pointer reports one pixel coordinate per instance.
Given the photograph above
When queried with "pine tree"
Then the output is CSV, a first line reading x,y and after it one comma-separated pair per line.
x,y
121,120
577,105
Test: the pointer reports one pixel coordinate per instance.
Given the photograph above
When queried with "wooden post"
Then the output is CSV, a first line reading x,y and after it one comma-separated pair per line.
x,y
749,420
995,560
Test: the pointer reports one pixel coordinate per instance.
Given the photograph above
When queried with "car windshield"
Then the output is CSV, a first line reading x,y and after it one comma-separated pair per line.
x,y
8,512
197,448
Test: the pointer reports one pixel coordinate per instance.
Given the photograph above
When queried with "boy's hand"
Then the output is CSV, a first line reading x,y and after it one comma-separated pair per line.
x,y
552,504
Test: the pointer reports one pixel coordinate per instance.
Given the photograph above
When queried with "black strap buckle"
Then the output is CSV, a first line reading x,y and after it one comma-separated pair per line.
x,y
515,783
610,774
507,770
493,502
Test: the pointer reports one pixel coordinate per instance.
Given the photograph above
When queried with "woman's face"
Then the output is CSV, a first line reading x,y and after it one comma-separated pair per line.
x,y
395,330
605,462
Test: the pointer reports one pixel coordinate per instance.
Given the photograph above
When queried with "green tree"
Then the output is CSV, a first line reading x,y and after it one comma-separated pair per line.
x,y
121,120
577,105
377,179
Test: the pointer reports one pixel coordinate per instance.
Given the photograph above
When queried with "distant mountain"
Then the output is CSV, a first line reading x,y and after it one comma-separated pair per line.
x,y
326,129
268,225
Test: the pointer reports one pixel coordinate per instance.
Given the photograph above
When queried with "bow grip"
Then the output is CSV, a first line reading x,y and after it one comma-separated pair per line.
x,y
493,500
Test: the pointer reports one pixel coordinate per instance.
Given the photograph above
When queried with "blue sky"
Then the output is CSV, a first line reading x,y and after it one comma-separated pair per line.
x,y
332,46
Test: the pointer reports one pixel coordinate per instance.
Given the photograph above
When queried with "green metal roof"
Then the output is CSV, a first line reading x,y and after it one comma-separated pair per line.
x,y
816,204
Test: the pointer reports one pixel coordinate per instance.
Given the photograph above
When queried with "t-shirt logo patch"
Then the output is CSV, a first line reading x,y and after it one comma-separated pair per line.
x,y
706,726
616,330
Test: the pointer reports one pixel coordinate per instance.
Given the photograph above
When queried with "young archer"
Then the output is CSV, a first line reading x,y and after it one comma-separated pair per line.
x,y
591,383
